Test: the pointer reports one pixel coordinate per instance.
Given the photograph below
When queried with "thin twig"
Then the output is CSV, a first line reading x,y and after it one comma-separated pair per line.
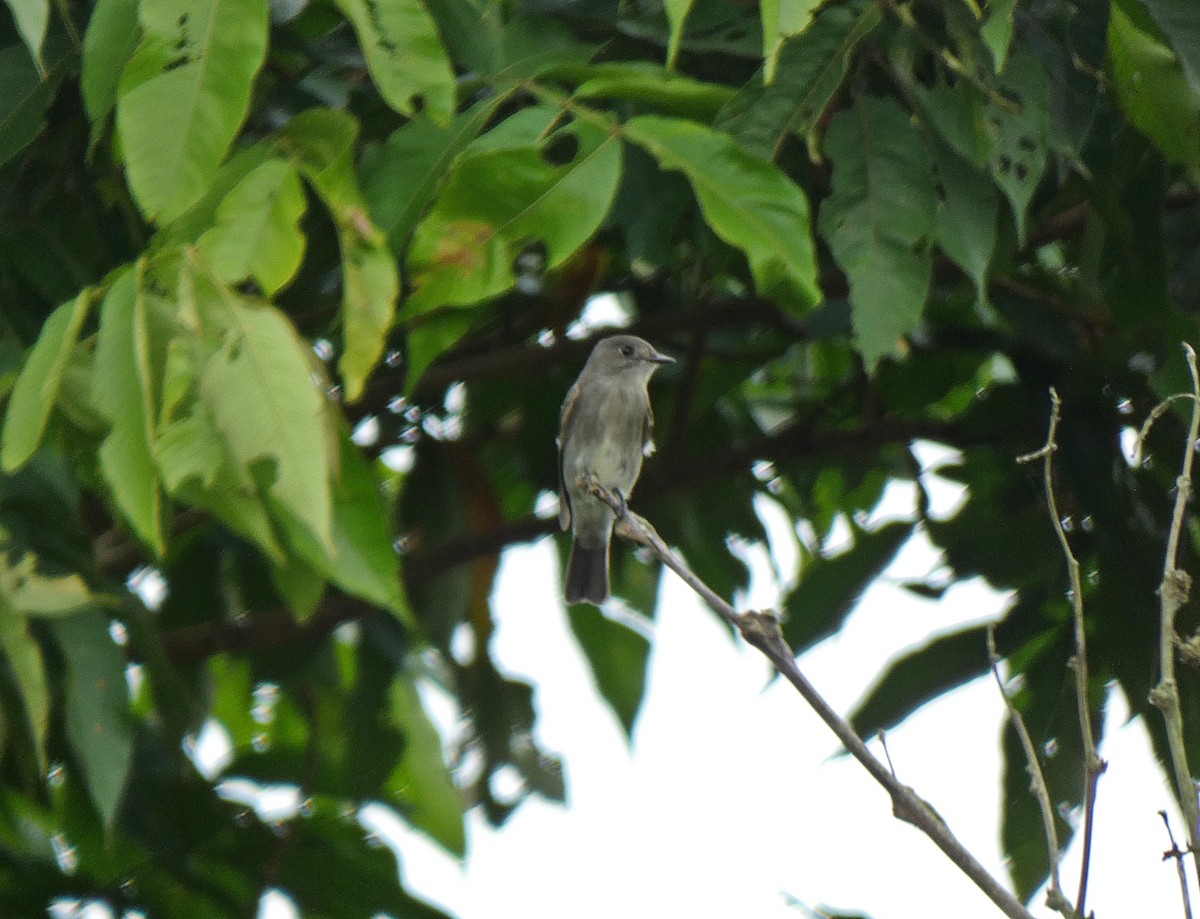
x,y
1093,765
1037,780
761,629
1172,594
1178,854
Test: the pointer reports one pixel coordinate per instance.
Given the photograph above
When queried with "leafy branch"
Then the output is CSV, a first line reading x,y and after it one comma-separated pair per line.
x,y
761,630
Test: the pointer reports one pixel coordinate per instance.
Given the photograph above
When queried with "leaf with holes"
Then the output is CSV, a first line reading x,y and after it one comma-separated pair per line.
x,y
748,203
500,200
37,387
1018,157
404,55
184,95
879,220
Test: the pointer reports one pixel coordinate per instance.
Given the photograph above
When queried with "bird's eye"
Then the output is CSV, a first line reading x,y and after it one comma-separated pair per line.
x,y
627,350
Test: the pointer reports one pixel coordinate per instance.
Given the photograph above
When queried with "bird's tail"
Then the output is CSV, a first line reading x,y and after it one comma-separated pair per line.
x,y
587,574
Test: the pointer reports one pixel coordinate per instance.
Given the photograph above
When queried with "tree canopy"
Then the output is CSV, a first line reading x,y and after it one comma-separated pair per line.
x,y
288,302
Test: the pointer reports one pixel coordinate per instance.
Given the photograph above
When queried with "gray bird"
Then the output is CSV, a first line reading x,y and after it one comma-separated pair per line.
x,y
604,431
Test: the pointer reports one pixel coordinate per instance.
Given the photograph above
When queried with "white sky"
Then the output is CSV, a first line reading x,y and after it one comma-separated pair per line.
x,y
729,803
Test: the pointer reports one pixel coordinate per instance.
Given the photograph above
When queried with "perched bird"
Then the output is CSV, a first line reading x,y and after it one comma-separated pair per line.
x,y
604,431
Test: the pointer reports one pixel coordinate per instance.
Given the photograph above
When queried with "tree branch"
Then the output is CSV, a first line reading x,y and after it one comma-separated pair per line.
x,y
264,631
761,629
681,471
1093,765
1037,782
1172,594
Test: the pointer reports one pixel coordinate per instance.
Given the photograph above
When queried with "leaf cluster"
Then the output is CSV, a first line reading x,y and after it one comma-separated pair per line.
x,y
290,294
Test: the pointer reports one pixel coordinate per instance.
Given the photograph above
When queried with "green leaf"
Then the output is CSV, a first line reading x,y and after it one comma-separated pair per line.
x,y
25,94
28,592
653,88
748,203
123,396
997,31
830,587
617,655
422,780
781,19
97,704
401,176
405,56
967,208
498,202
809,70
920,677
677,14
37,387
1018,156
185,94
29,671
31,18
1178,21
257,233
322,141
879,220
258,389
363,561
112,37
1152,86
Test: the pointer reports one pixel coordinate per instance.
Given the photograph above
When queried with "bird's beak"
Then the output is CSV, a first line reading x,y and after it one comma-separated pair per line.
x,y
660,359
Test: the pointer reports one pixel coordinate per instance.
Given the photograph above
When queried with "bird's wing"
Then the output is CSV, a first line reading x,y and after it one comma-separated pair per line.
x,y
565,417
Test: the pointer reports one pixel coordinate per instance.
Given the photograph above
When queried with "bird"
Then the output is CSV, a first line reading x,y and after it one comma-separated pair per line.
x,y
605,431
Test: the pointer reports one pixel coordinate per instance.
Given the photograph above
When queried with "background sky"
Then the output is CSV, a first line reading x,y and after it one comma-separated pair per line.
x,y
731,800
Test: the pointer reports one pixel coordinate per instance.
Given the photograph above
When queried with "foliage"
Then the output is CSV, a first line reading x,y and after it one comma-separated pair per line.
x,y
288,296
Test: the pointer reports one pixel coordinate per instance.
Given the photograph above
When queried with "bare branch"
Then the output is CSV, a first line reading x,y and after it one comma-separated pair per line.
x,y
1172,594
1037,782
761,629
1093,765
1178,854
